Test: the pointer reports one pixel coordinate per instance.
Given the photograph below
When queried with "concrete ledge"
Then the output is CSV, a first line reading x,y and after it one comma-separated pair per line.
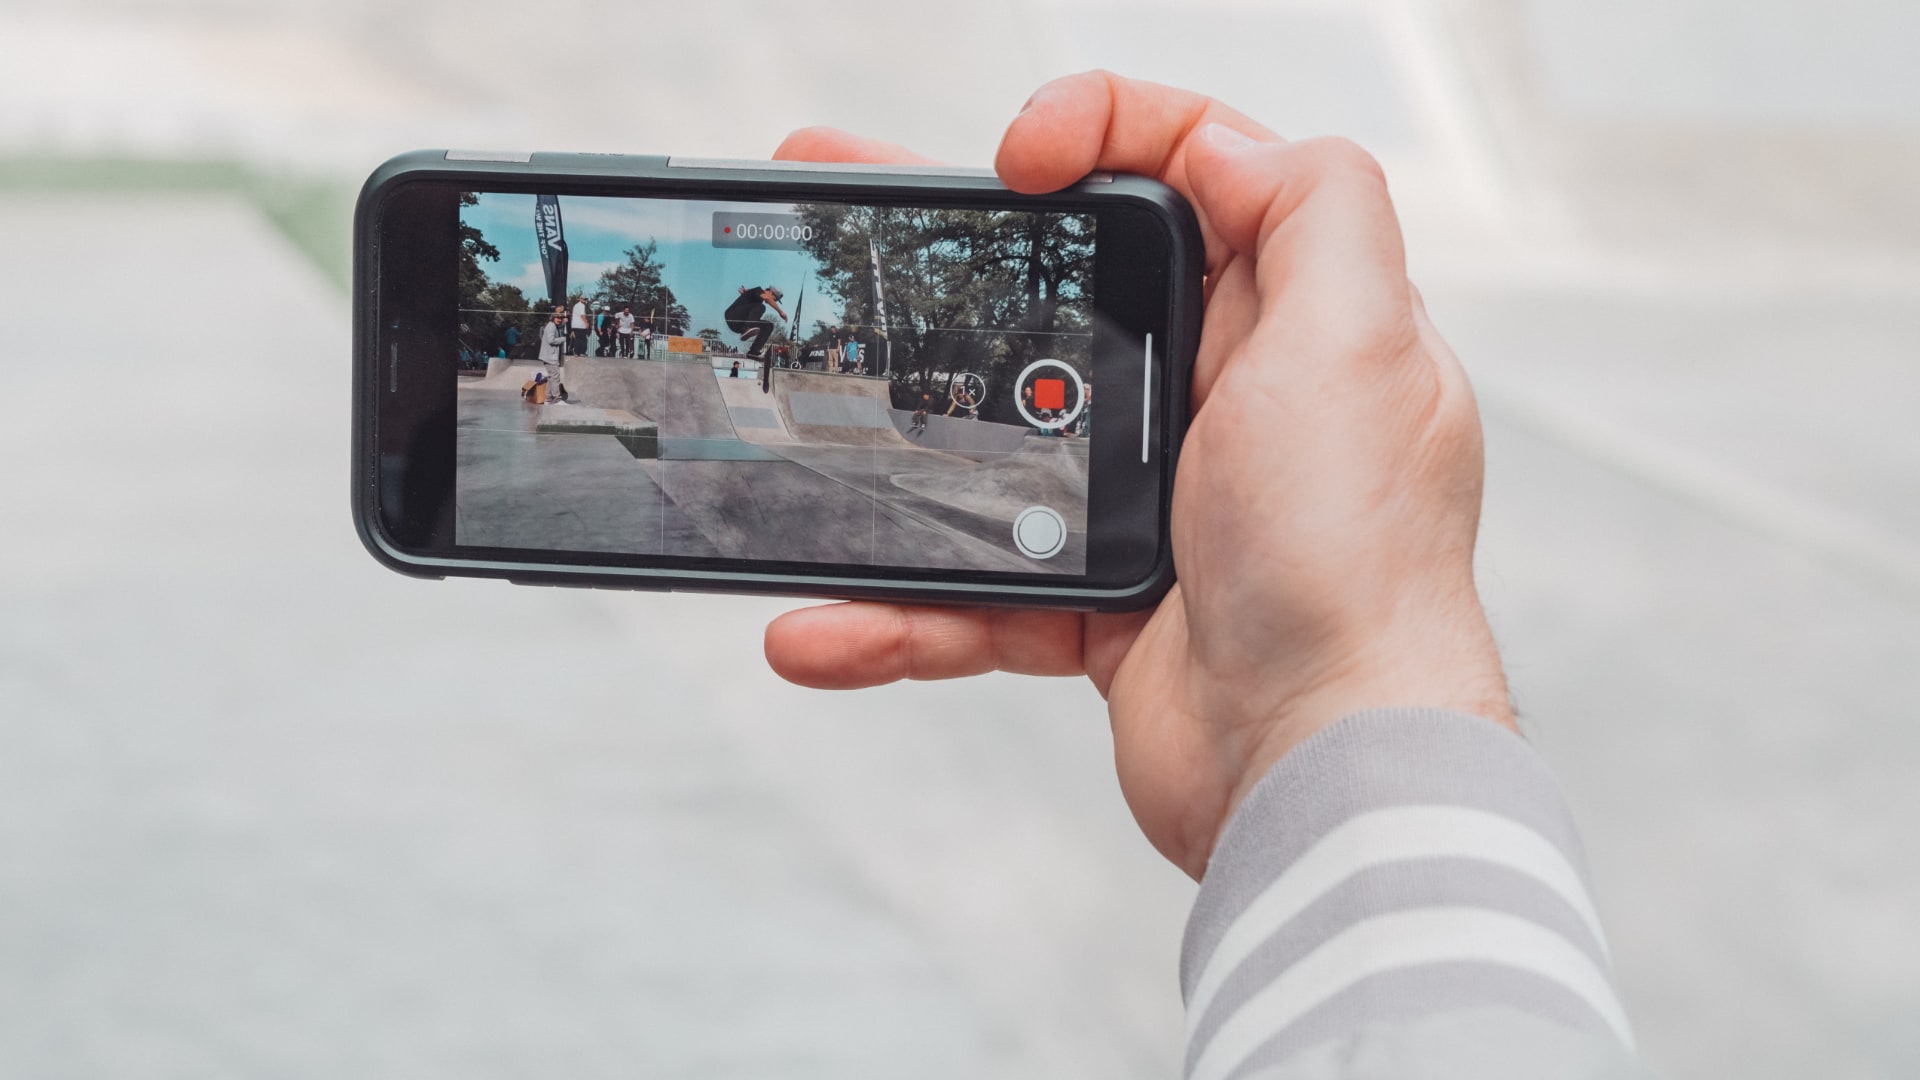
x,y
1071,446
640,437
962,435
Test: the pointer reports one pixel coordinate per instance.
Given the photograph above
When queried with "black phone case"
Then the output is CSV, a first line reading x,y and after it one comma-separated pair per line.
x,y
719,179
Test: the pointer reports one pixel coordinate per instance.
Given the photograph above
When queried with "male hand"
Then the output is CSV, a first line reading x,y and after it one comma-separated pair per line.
x,y
1328,492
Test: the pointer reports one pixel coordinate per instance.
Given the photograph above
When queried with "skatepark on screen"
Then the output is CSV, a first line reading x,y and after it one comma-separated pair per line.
x,y
665,454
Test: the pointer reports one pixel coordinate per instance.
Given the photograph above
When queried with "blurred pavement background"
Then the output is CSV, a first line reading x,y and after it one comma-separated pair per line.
x,y
267,809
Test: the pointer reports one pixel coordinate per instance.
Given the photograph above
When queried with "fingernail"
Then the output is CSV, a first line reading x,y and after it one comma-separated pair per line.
x,y
1224,137
1040,97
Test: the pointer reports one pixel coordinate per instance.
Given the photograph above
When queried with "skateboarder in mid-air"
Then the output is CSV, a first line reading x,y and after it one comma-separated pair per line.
x,y
746,316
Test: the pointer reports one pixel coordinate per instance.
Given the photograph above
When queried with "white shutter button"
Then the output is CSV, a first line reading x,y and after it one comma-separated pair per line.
x,y
1039,532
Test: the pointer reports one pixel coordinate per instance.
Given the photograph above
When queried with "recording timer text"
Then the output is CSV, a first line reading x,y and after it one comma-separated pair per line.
x,y
738,230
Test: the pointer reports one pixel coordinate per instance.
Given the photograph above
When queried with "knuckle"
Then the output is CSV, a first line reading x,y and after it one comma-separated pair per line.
x,y
1456,423
1338,157
906,660
1379,336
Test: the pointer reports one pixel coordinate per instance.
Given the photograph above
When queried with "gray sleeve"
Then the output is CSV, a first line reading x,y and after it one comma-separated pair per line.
x,y
1401,896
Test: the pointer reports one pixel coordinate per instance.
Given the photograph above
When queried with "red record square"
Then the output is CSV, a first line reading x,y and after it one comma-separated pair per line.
x,y
1049,393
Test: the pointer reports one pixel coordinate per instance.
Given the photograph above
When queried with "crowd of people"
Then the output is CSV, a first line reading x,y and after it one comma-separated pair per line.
x,y
610,332
567,333
844,353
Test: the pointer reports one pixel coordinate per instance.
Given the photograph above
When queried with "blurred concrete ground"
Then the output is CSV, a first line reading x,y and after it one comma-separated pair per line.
x,y
1677,245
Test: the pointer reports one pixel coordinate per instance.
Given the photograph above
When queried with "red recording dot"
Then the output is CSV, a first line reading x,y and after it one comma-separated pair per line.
x,y
726,228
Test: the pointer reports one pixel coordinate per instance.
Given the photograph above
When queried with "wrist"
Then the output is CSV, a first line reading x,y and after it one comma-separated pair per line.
x,y
1450,665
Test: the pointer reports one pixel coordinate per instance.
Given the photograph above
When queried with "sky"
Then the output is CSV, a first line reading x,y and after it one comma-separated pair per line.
x,y
600,230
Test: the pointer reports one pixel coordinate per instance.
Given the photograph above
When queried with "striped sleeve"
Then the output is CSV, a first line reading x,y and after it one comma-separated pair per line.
x,y
1404,871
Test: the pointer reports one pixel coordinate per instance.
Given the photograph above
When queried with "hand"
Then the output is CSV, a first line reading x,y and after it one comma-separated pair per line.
x,y
1328,492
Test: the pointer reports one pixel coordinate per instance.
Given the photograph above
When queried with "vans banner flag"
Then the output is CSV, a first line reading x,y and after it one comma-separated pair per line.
x,y
552,241
793,333
879,294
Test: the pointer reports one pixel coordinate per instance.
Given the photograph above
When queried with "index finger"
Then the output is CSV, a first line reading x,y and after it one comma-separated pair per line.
x,y
1098,120
832,144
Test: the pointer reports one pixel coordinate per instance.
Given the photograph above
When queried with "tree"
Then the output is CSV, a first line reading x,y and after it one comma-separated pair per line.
x,y
487,307
638,282
473,248
502,305
966,290
711,340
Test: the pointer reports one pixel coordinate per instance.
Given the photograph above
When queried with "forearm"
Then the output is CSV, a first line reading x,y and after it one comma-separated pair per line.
x,y
1396,881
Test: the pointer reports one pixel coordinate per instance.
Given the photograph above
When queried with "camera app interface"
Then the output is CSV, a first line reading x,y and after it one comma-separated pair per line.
x,y
816,382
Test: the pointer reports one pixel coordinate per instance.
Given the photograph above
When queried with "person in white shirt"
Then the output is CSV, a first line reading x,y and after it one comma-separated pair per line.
x,y
577,345
624,328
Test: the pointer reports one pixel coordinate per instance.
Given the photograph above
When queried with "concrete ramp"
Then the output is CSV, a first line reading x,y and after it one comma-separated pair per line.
x,y
755,415
843,410
680,396
961,436
1000,487
504,374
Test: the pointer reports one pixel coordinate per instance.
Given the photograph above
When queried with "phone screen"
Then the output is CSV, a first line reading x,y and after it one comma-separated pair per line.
x,y
950,391
815,382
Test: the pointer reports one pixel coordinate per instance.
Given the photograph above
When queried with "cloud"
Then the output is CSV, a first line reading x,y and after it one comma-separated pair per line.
x,y
585,275
636,220
581,277
531,280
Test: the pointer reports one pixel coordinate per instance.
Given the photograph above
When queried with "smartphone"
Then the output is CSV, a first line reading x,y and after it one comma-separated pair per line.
x,y
863,381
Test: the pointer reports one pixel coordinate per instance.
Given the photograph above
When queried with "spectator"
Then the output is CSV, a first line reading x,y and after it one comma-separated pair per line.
x,y
578,327
624,328
553,339
603,332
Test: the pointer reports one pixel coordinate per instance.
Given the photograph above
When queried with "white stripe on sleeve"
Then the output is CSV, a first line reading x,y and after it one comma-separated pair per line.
x,y
1374,839
1404,939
